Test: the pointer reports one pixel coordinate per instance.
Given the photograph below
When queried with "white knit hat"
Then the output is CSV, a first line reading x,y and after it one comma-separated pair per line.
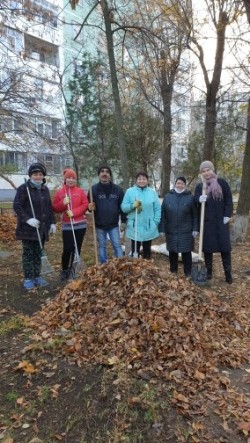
x,y
206,164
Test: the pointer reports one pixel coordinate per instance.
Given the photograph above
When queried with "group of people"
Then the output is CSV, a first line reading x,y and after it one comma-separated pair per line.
x,y
137,212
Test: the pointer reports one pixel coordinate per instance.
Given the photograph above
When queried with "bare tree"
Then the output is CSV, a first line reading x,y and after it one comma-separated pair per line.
x,y
239,231
221,15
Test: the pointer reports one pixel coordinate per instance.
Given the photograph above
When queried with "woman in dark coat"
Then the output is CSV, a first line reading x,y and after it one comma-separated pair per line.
x,y
218,210
28,224
179,222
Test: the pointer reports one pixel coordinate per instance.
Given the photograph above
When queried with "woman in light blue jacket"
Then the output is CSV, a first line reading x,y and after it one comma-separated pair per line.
x,y
143,209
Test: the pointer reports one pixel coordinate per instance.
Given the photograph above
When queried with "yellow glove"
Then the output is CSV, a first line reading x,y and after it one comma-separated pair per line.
x,y
69,213
137,204
66,200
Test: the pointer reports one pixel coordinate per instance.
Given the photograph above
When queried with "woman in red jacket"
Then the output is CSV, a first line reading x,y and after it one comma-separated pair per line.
x,y
71,201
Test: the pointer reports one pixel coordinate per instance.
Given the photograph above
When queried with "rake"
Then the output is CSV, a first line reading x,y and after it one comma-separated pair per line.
x,y
46,267
199,271
77,265
93,222
135,254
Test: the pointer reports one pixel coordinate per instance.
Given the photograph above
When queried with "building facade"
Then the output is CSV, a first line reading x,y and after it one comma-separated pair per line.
x,y
31,99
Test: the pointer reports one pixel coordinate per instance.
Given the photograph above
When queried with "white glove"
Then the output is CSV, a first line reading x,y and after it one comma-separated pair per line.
x,y
162,234
195,233
226,220
52,229
33,222
203,198
66,200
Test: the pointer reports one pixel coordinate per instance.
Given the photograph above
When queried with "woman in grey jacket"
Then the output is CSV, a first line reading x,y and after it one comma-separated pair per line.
x,y
179,222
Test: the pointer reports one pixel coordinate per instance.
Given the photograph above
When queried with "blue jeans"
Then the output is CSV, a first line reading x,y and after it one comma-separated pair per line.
x,y
114,235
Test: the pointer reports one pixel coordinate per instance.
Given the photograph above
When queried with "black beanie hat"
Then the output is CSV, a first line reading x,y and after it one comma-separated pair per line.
x,y
182,179
104,167
37,167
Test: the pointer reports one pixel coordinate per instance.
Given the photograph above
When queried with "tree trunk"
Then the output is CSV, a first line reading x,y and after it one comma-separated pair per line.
x,y
240,226
166,93
239,231
116,95
5,177
247,6
213,87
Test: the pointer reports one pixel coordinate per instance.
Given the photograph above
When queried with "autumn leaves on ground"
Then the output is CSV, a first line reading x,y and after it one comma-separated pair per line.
x,y
127,353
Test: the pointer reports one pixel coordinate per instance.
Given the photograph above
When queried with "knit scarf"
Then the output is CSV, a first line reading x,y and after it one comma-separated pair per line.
x,y
213,188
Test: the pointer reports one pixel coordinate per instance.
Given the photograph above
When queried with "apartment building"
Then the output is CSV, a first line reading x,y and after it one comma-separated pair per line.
x,y
31,104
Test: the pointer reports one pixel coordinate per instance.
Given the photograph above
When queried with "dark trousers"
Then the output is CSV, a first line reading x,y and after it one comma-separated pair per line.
x,y
186,259
31,259
69,246
226,261
146,248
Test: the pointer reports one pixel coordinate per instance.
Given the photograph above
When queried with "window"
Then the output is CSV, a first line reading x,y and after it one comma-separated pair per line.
x,y
6,124
14,40
16,159
54,129
75,28
52,162
38,86
48,128
18,124
41,50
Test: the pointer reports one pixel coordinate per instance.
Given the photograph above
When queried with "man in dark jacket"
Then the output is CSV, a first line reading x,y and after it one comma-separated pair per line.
x,y
32,221
107,199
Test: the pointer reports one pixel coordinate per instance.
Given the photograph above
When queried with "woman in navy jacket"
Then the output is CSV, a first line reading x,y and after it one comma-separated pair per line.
x,y
27,224
179,223
218,210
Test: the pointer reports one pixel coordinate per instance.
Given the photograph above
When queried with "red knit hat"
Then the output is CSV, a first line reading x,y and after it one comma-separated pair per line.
x,y
69,173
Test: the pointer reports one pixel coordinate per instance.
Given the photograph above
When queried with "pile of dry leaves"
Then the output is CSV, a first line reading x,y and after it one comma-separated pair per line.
x,y
7,227
125,315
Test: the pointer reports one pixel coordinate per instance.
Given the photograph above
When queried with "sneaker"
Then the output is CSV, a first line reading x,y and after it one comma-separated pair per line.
x,y
39,281
28,284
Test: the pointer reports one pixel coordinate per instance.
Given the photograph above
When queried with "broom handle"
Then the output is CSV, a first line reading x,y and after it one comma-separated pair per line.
x,y
136,223
33,213
202,222
93,222
72,227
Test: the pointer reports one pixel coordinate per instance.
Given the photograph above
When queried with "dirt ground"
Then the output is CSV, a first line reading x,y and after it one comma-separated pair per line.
x,y
63,402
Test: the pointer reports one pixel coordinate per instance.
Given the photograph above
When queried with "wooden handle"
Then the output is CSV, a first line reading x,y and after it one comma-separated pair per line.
x,y
93,222
202,222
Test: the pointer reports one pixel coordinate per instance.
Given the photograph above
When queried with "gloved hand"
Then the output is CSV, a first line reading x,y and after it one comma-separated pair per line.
x,y
203,198
123,227
69,213
33,222
162,234
195,233
52,229
226,220
137,204
66,200
91,206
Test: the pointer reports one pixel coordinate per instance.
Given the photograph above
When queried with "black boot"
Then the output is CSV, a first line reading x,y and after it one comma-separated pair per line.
x,y
226,260
173,259
208,256
64,275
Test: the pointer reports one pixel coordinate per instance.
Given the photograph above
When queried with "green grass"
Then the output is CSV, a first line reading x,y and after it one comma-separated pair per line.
x,y
6,205
12,324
